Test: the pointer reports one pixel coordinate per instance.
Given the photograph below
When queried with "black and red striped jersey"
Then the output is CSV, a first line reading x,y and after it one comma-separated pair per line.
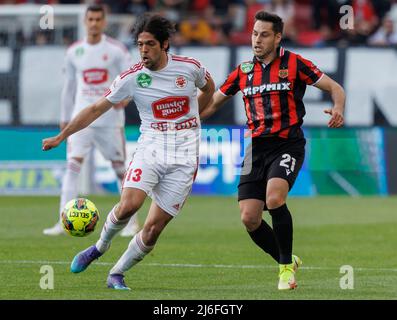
x,y
273,93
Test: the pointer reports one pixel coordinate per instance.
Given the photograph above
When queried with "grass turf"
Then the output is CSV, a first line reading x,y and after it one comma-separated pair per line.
x,y
206,254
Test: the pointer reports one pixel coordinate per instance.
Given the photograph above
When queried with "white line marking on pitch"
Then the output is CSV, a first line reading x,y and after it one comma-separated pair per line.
x,y
188,265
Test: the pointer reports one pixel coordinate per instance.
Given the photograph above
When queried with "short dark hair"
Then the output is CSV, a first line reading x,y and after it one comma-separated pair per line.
x,y
278,23
161,28
96,8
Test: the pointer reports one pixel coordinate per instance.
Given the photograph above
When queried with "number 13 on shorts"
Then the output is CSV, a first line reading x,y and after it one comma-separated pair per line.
x,y
134,175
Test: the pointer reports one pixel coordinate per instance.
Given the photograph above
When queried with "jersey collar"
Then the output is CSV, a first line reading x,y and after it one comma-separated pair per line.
x,y
103,39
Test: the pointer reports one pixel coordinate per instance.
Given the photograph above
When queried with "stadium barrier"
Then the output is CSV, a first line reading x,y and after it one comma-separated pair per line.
x,y
31,81
338,162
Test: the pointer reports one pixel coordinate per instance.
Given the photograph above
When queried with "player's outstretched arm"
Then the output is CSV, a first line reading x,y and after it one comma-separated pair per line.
x,y
217,100
82,120
206,93
338,97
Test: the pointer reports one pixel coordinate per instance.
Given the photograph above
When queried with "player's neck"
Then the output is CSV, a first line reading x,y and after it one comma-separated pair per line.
x,y
269,58
162,63
94,39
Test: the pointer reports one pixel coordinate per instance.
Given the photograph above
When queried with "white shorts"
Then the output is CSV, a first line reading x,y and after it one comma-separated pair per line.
x,y
110,141
168,183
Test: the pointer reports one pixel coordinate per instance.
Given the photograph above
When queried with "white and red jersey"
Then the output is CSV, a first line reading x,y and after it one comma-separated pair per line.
x,y
166,99
89,71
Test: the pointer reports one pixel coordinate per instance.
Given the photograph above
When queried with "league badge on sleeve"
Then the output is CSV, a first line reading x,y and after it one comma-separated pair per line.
x,y
246,67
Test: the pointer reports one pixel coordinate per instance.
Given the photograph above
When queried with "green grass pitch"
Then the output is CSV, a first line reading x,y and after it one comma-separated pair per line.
x,y
205,253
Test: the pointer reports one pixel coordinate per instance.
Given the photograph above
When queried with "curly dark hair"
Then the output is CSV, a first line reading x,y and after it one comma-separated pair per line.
x,y
161,28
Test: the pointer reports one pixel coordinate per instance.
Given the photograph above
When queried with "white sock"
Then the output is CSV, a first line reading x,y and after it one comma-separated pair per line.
x,y
70,183
110,228
135,252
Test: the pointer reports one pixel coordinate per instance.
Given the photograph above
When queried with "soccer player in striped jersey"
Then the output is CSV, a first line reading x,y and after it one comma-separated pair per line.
x,y
164,165
273,84
90,65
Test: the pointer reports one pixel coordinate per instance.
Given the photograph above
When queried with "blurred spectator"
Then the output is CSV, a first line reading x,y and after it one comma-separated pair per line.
x,y
365,21
381,7
220,22
199,5
196,30
173,10
68,1
326,17
220,7
386,34
230,12
115,6
285,10
393,11
137,7
252,7
218,36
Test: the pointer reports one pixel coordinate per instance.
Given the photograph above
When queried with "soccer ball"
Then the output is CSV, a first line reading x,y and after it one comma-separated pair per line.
x,y
79,217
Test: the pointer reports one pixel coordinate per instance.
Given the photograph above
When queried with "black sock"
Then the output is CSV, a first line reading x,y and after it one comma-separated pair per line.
x,y
265,239
282,227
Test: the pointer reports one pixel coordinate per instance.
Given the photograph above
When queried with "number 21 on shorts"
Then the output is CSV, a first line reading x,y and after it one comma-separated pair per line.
x,y
288,162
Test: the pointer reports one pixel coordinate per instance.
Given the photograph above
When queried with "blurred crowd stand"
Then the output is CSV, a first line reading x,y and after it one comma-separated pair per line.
x,y
313,23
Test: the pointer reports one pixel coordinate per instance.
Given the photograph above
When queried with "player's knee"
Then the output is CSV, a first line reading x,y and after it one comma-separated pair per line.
x,y
274,200
250,220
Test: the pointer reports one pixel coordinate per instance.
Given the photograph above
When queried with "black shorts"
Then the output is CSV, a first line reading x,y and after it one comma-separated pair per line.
x,y
266,158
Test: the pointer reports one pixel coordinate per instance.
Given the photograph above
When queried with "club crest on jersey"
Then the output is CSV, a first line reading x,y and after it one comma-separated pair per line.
x,y
180,82
144,80
79,51
105,57
246,67
283,73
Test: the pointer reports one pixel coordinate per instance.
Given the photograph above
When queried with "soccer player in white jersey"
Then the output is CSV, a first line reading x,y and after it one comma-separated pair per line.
x,y
90,66
164,88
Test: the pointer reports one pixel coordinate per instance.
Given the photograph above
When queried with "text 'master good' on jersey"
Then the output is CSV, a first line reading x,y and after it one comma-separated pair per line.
x,y
273,93
166,99
89,71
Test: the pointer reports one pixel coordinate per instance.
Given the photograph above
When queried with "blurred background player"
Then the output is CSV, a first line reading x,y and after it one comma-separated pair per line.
x,y
165,162
273,85
90,66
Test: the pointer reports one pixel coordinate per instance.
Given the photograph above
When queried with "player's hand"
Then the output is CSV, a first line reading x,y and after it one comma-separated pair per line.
x,y
49,143
336,120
